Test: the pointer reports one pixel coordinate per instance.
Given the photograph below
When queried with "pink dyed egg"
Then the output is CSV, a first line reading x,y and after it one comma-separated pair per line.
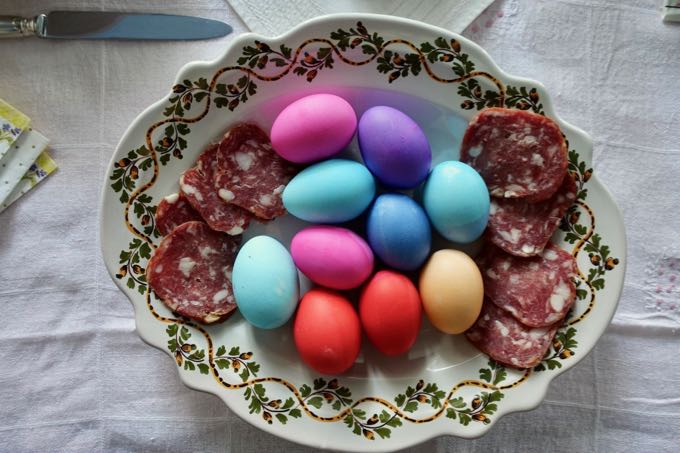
x,y
331,256
313,128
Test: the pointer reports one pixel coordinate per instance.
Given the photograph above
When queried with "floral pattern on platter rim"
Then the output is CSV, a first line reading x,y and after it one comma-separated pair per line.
x,y
379,410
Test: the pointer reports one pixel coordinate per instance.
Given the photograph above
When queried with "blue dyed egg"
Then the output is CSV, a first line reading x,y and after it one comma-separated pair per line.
x,y
333,191
399,232
265,283
456,200
394,147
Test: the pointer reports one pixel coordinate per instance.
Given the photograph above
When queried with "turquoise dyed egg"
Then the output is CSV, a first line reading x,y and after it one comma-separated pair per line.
x,y
265,283
456,200
333,191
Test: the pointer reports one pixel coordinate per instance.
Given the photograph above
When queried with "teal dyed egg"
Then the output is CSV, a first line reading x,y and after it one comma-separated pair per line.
x,y
265,283
456,200
333,191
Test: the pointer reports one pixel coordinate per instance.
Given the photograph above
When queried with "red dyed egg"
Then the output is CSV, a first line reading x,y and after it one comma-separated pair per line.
x,y
390,312
327,331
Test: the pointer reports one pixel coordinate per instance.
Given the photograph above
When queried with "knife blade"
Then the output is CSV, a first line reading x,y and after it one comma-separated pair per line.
x,y
112,25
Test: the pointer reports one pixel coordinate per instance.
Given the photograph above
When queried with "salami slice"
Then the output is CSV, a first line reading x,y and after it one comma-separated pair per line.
x,y
522,228
538,291
173,211
197,185
250,174
517,153
190,272
508,341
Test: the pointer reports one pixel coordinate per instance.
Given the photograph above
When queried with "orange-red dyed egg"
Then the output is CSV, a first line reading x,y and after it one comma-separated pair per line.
x,y
390,312
327,331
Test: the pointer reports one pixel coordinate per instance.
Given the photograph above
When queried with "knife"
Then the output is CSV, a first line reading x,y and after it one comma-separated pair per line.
x,y
111,25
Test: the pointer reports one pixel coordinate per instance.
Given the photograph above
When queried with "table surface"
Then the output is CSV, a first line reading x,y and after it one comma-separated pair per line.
x,y
74,375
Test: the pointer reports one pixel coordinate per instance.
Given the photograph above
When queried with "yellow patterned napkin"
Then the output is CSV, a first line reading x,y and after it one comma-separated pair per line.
x,y
24,161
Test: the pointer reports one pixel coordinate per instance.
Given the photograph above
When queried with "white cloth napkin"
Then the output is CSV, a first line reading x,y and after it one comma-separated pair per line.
x,y
75,376
272,18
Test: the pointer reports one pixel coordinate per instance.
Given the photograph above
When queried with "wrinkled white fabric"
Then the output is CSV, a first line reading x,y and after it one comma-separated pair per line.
x,y
273,18
74,375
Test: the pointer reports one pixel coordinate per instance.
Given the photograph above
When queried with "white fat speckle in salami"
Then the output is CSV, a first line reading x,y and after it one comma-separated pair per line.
x,y
207,251
493,206
529,140
508,236
538,332
186,264
537,159
244,160
226,195
528,249
502,329
190,190
560,296
172,198
475,151
210,318
550,255
266,200
220,295
235,231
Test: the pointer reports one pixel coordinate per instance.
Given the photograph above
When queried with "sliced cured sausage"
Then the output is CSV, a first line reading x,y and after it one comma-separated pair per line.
x,y
523,228
250,174
190,272
518,153
538,291
197,185
173,211
508,341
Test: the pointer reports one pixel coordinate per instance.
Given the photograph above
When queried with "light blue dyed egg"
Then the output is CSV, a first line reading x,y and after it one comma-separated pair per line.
x,y
265,283
399,232
333,191
457,201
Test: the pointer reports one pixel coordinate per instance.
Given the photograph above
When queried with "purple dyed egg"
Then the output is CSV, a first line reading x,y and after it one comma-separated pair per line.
x,y
394,147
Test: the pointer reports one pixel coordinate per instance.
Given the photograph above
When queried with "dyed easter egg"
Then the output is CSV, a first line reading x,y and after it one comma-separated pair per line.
x,y
390,312
265,282
452,291
332,256
394,147
327,331
399,232
456,201
314,127
332,191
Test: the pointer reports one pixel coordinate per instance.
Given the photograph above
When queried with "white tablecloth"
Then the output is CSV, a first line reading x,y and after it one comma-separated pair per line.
x,y
74,375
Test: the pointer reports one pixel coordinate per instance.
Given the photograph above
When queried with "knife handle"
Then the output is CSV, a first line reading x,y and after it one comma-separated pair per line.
x,y
16,27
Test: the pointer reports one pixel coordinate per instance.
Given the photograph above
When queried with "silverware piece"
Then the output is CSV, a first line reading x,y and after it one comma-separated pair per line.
x,y
111,25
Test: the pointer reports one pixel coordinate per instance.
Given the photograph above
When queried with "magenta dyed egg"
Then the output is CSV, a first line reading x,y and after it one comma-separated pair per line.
x,y
313,128
332,256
